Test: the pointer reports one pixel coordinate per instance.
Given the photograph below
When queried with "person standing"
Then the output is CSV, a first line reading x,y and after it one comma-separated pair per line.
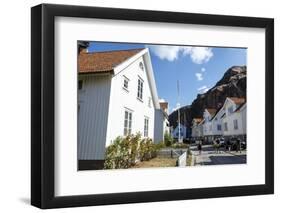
x,y
238,148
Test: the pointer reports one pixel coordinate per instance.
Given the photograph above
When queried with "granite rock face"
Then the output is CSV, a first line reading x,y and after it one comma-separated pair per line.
x,y
232,84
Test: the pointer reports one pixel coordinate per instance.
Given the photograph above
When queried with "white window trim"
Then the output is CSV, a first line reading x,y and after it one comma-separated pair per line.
x,y
140,79
128,128
125,78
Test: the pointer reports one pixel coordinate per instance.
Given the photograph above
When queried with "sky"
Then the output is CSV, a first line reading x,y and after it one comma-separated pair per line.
x,y
196,68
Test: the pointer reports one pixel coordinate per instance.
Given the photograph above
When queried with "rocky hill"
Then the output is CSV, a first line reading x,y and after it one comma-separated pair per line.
x,y
232,84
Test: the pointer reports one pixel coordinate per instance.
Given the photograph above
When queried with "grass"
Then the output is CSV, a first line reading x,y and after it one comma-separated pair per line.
x,y
157,162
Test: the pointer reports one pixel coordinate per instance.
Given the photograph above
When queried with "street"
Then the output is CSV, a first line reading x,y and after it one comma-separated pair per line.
x,y
209,156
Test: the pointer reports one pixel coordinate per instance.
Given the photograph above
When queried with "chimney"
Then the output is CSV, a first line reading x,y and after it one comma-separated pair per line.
x,y
164,106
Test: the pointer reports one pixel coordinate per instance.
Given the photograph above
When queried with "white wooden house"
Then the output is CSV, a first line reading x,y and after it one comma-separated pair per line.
x,y
216,121
197,128
161,125
208,124
234,119
117,96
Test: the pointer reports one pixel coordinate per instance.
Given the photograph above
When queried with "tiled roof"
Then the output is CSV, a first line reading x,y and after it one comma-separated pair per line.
x,y
212,111
197,120
237,101
99,62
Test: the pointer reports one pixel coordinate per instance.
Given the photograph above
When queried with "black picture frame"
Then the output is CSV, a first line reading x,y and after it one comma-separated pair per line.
x,y
43,102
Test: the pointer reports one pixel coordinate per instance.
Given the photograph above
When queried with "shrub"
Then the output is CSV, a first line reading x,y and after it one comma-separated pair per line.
x,y
125,151
179,146
168,140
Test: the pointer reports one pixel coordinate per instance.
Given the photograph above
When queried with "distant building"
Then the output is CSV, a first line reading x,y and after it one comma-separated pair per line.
x,y
180,132
208,126
234,119
227,121
197,128
161,125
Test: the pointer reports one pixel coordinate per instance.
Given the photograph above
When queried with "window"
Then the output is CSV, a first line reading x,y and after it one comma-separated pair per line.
x,y
225,127
145,132
230,109
235,123
128,122
140,88
80,84
219,127
126,83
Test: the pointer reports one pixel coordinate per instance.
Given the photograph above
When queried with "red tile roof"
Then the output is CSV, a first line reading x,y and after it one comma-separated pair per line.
x,y
197,120
212,111
238,101
99,62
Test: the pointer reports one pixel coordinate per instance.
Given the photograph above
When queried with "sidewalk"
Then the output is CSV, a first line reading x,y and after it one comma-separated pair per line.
x,y
209,156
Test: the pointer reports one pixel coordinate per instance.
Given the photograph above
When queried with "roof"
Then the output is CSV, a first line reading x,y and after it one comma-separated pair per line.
x,y
239,108
237,101
100,62
163,105
212,111
197,120
217,111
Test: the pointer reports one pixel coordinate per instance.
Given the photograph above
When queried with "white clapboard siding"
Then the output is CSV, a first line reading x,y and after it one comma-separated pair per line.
x,y
159,126
92,126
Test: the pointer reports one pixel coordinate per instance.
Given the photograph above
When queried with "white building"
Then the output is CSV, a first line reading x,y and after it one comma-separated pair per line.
x,y
234,120
197,128
216,120
117,96
161,125
208,124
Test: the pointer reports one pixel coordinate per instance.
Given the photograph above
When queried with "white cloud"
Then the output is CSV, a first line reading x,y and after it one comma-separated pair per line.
x,y
198,55
169,53
199,76
203,89
203,69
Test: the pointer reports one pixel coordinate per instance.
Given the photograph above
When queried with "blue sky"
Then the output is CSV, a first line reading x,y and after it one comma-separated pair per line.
x,y
196,68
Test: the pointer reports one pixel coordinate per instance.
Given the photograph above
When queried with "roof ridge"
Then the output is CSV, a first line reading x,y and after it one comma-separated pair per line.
x,y
109,51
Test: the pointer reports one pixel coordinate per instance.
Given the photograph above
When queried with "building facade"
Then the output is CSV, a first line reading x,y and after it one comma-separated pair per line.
x,y
117,96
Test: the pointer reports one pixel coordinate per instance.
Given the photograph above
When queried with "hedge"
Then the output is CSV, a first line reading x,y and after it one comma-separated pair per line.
x,y
124,152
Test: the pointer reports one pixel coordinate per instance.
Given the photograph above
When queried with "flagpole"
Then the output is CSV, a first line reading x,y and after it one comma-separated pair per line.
x,y
178,89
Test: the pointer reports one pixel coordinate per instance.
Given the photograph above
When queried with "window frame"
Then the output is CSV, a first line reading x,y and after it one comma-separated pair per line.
x,y
140,89
127,124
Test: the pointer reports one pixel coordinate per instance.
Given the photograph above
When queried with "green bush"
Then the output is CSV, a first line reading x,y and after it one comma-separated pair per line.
x,y
179,145
168,140
125,151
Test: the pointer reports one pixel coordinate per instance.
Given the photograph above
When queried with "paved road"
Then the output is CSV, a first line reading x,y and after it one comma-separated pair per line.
x,y
209,156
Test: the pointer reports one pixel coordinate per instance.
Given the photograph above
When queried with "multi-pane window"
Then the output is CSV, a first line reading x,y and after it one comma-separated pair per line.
x,y
126,83
225,126
127,122
140,89
235,124
145,132
219,127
